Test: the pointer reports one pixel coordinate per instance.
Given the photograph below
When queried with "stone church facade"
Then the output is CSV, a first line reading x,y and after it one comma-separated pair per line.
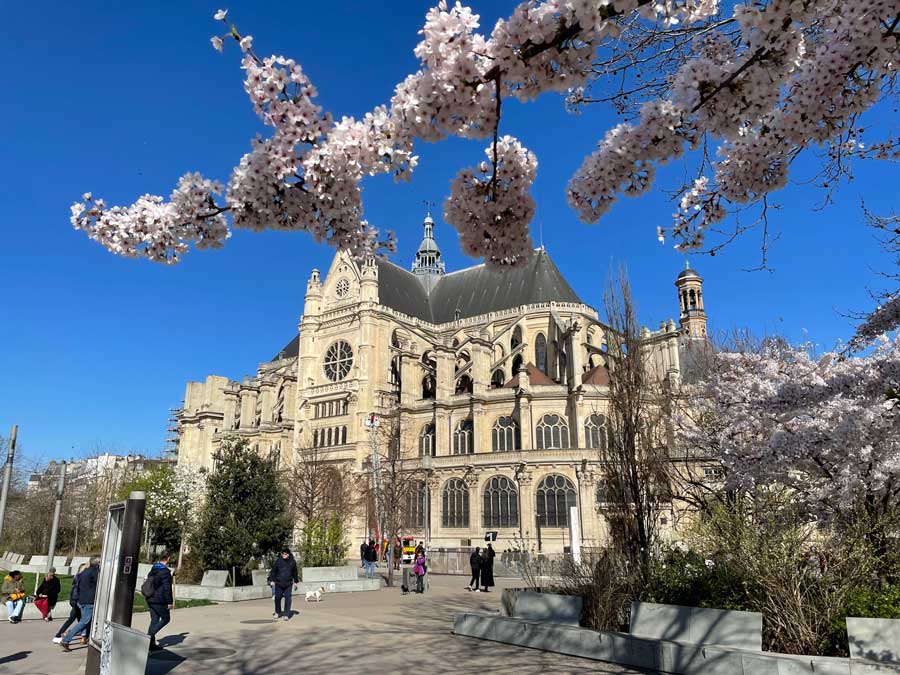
x,y
501,378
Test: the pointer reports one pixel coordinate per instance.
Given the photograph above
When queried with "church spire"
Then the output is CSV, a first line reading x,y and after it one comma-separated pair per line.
x,y
428,266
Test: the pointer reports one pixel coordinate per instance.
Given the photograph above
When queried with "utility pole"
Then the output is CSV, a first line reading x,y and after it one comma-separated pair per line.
x,y
7,475
60,489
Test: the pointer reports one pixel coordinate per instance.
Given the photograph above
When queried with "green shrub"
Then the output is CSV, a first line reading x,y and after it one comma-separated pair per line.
x,y
870,603
679,577
322,543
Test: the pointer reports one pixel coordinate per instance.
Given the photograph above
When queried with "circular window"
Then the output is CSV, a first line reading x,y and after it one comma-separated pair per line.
x,y
343,287
338,360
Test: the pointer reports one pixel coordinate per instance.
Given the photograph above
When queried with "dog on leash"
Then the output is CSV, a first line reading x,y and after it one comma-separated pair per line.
x,y
316,595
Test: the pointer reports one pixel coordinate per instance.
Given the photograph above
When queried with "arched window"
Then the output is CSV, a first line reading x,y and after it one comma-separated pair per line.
x,y
505,435
343,435
501,503
552,433
414,513
315,438
455,504
516,364
330,432
692,303
394,375
278,413
464,385
554,497
462,438
595,432
428,387
426,440
497,379
540,353
516,339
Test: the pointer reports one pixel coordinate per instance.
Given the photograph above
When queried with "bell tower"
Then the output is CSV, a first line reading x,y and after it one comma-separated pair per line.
x,y
428,266
690,300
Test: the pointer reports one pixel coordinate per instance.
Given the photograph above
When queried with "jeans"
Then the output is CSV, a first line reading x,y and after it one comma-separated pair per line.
x,y
87,612
14,609
420,583
159,617
476,576
370,569
280,593
74,615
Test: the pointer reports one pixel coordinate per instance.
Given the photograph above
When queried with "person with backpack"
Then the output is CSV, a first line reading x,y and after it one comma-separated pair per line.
x,y
475,564
157,590
47,594
75,611
282,577
87,592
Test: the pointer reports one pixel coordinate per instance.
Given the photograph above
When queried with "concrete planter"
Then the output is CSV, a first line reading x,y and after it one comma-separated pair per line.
x,y
536,604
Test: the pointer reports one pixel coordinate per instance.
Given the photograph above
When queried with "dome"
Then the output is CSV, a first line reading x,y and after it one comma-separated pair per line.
x,y
688,274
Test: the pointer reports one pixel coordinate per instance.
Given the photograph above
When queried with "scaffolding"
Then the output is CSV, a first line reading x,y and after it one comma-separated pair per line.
x,y
173,433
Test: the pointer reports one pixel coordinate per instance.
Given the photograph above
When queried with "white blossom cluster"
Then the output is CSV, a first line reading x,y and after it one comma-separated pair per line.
x,y
492,212
882,320
826,427
801,73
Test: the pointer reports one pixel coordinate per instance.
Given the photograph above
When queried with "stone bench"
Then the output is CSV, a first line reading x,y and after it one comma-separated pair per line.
x,y
59,561
874,639
215,579
655,654
322,574
696,625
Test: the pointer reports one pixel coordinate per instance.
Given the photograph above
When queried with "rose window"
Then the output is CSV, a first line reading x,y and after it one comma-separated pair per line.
x,y
343,287
338,360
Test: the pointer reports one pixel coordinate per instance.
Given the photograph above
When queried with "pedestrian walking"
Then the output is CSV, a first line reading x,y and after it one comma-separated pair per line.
x,y
420,549
87,592
13,595
282,578
419,571
487,569
475,564
47,594
362,553
157,589
370,557
75,610
398,553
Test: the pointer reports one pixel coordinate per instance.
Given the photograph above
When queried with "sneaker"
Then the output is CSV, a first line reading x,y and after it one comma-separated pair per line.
x,y
285,617
65,647
56,640
276,616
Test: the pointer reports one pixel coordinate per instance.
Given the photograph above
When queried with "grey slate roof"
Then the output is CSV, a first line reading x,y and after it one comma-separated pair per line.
x,y
290,350
473,291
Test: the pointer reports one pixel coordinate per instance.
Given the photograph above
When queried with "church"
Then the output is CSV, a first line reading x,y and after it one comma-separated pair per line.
x,y
499,382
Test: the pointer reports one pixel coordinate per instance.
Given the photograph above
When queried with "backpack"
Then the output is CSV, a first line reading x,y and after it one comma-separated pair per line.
x,y
148,588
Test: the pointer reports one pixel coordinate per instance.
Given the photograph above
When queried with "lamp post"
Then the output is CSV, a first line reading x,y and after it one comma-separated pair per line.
x,y
426,464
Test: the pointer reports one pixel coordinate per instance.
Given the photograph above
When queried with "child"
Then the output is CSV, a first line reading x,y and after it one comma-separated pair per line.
x,y
419,571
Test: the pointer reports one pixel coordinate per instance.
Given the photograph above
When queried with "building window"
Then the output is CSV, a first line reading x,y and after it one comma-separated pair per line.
x,y
595,432
505,435
394,375
555,495
414,516
516,364
426,440
516,339
462,438
342,288
552,433
713,472
455,504
501,503
540,353
338,360
428,387
464,385
497,379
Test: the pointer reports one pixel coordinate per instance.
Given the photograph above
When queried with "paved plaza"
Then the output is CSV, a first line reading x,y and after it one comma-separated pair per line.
x,y
345,634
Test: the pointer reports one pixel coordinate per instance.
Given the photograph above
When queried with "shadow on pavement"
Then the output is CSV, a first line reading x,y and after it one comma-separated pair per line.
x,y
18,656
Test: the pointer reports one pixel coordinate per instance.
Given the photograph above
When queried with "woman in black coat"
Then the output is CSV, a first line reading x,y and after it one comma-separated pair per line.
x,y
47,595
487,569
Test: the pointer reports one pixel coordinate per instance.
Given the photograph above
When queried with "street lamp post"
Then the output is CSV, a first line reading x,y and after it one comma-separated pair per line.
x,y
426,464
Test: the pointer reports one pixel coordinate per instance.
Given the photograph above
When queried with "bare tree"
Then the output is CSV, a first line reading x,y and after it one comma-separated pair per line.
x,y
635,461
396,481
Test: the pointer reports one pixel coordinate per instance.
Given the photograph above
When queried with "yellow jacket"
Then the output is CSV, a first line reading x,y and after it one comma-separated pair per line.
x,y
11,589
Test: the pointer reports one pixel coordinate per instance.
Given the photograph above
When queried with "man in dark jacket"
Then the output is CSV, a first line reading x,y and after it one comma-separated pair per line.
x,y
475,564
75,611
161,600
282,577
370,557
87,591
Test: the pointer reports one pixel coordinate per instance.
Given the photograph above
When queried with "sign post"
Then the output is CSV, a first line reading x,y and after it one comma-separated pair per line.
x,y
575,534
118,578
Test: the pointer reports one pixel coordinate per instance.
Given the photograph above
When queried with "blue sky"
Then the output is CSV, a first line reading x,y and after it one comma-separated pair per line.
x,y
122,98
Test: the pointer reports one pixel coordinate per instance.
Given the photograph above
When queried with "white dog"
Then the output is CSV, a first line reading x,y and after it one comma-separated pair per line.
x,y
315,595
